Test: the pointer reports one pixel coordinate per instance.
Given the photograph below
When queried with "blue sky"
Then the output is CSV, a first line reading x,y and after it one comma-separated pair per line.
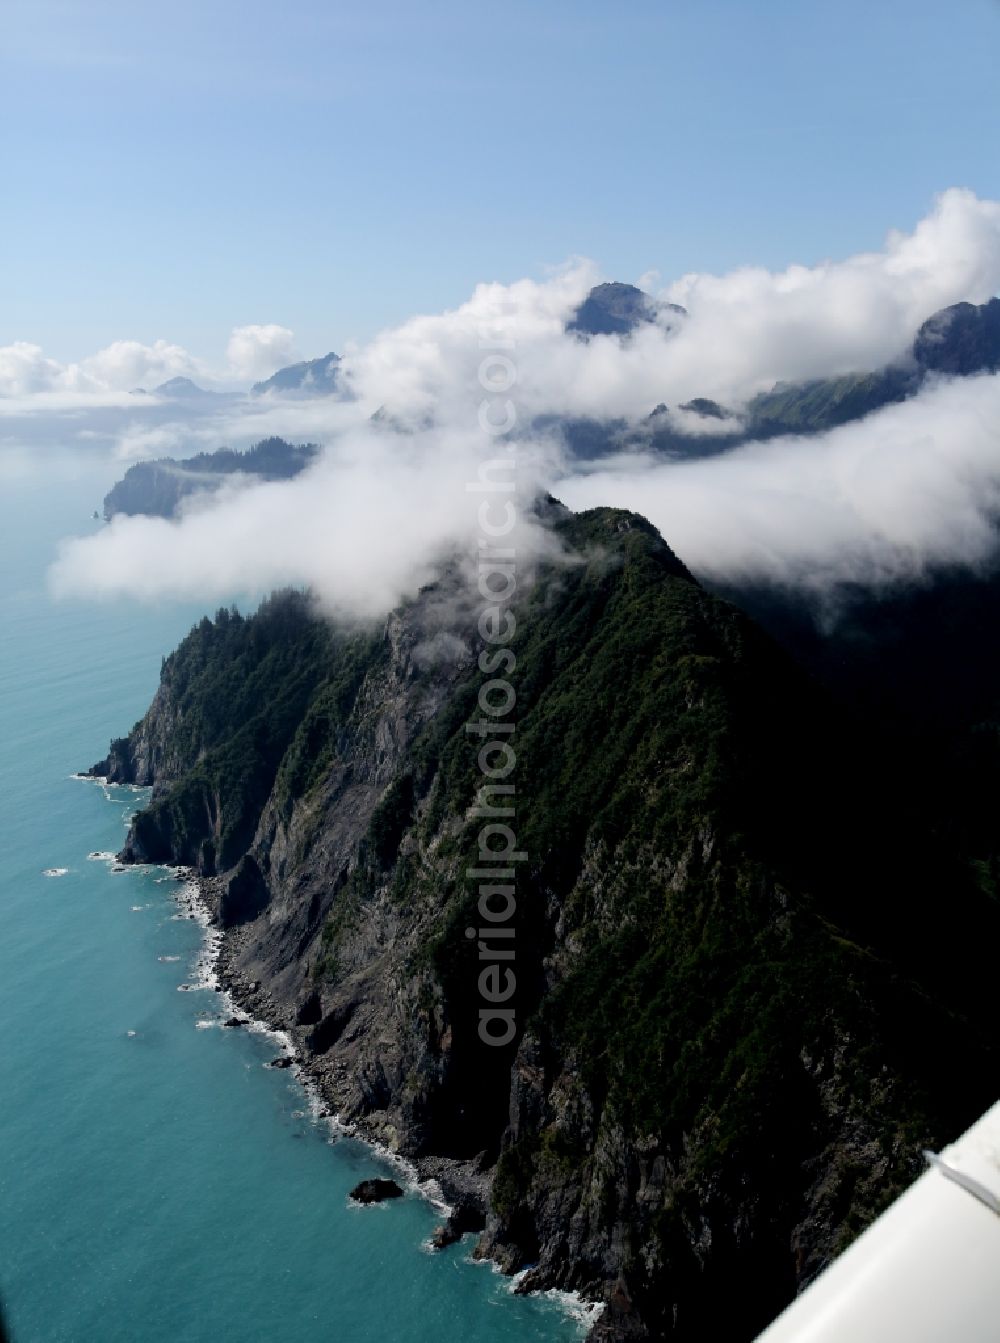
x,y
173,170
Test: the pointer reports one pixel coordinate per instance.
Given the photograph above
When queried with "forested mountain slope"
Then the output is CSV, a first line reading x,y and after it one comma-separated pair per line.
x,y
753,973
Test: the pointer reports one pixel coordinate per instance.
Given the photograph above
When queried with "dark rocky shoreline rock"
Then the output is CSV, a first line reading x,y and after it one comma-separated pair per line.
x,y
466,1216
375,1191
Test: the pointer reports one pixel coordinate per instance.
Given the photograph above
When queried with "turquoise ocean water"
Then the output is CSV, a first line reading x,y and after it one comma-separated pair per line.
x,y
157,1183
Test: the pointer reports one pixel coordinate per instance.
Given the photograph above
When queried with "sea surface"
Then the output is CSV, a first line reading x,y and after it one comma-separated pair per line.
x,y
158,1183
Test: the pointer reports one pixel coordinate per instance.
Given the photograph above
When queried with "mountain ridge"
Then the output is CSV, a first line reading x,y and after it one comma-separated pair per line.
x,y
158,487
681,1128
316,377
960,341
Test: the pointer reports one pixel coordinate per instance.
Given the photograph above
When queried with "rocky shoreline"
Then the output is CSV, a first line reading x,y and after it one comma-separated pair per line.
x,y
460,1189
460,1182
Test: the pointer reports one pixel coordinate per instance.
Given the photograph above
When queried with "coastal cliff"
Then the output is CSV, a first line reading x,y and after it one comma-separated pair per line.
x,y
160,487
737,1024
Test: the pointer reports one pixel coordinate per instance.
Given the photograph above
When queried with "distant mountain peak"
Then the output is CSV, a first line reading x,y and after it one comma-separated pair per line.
x,y
181,388
317,377
709,410
616,309
962,339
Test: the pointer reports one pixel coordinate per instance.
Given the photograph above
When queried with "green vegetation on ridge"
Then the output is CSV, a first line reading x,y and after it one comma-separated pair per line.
x,y
728,933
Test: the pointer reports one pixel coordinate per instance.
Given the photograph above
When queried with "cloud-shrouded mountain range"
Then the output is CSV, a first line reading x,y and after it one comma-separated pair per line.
x,y
681,404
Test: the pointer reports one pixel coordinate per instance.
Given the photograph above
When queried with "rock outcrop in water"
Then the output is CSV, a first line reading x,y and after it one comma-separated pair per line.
x,y
737,1023
376,1191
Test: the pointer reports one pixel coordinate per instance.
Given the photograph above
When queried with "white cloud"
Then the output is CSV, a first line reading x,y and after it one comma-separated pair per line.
x,y
370,523
137,441
429,365
745,330
753,327
256,352
24,370
914,485
120,367
124,365
127,364
874,501
881,500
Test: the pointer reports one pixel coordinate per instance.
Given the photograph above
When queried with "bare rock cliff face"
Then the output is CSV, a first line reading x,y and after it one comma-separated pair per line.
x,y
146,755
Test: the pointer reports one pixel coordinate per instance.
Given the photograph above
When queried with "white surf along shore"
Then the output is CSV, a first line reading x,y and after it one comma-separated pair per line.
x,y
204,977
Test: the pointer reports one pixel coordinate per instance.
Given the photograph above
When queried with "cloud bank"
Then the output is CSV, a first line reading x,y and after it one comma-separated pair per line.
x,y
256,352
371,523
879,501
876,501
744,331
753,327
124,365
